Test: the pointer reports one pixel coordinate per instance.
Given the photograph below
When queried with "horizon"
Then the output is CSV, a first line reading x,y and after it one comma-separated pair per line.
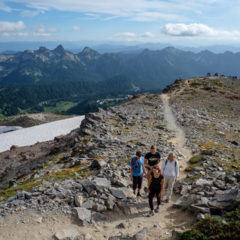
x,y
105,47
178,23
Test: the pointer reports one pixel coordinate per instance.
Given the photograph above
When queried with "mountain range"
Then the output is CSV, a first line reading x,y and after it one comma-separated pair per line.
x,y
148,69
37,80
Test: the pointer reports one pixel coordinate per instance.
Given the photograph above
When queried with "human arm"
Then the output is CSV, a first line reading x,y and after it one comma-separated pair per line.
x,y
176,171
159,160
143,167
131,175
162,186
149,182
146,163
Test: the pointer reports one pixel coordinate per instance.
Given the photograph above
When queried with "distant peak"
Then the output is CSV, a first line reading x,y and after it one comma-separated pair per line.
x,y
59,49
88,50
43,49
171,49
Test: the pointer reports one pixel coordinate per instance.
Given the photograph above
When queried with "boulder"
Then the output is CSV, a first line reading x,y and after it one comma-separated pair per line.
x,y
13,147
126,237
228,200
88,186
99,217
99,207
101,182
84,215
201,182
117,193
185,201
66,234
141,235
98,164
78,200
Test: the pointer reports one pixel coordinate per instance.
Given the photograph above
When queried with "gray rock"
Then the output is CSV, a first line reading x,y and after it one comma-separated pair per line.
x,y
110,202
88,204
197,209
141,235
98,217
121,226
118,193
102,182
98,164
84,215
88,186
99,207
78,200
120,238
185,201
66,234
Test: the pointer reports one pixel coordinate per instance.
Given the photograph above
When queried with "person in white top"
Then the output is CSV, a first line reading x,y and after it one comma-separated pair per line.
x,y
170,171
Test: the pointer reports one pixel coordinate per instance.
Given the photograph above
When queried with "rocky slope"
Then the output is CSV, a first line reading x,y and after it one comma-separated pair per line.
x,y
29,120
208,109
86,174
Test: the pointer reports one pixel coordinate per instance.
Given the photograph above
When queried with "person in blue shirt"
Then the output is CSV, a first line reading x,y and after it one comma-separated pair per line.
x,y
137,170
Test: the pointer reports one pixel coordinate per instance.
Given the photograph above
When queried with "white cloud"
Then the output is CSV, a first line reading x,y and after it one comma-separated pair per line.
x,y
28,13
52,30
76,28
154,16
42,31
22,34
12,26
181,29
198,30
126,34
4,7
136,10
41,34
131,36
18,34
147,35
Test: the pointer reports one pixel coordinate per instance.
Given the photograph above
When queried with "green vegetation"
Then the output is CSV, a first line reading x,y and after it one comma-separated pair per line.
x,y
62,97
59,107
27,186
215,229
79,171
196,159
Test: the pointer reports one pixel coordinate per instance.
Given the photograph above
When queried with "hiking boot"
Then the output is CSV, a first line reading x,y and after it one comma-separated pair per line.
x,y
139,194
167,200
157,209
151,213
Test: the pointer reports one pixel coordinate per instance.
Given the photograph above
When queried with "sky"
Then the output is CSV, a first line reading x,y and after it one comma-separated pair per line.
x,y
186,22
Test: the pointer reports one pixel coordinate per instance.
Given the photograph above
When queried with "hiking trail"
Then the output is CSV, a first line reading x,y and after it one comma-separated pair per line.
x,y
179,140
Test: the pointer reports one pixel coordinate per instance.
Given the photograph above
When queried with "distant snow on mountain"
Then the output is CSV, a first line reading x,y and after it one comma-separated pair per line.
x,y
40,133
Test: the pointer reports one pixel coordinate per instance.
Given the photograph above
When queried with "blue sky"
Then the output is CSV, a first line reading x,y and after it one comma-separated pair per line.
x,y
185,22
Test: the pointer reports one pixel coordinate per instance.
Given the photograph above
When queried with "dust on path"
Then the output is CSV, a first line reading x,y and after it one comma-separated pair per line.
x,y
179,140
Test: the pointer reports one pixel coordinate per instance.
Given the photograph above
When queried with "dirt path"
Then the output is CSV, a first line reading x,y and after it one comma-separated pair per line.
x,y
179,140
27,226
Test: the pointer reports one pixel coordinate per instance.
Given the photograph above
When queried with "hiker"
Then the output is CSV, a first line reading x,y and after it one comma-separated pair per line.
x,y
153,158
155,187
137,170
170,171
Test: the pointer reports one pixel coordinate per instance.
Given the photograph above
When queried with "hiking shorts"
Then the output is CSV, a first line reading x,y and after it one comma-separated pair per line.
x,y
137,182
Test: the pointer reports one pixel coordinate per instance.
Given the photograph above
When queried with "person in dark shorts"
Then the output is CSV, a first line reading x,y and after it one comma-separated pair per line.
x,y
137,170
155,188
153,158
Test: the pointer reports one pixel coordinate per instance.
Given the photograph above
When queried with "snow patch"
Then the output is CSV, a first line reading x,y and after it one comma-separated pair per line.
x,y
40,133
